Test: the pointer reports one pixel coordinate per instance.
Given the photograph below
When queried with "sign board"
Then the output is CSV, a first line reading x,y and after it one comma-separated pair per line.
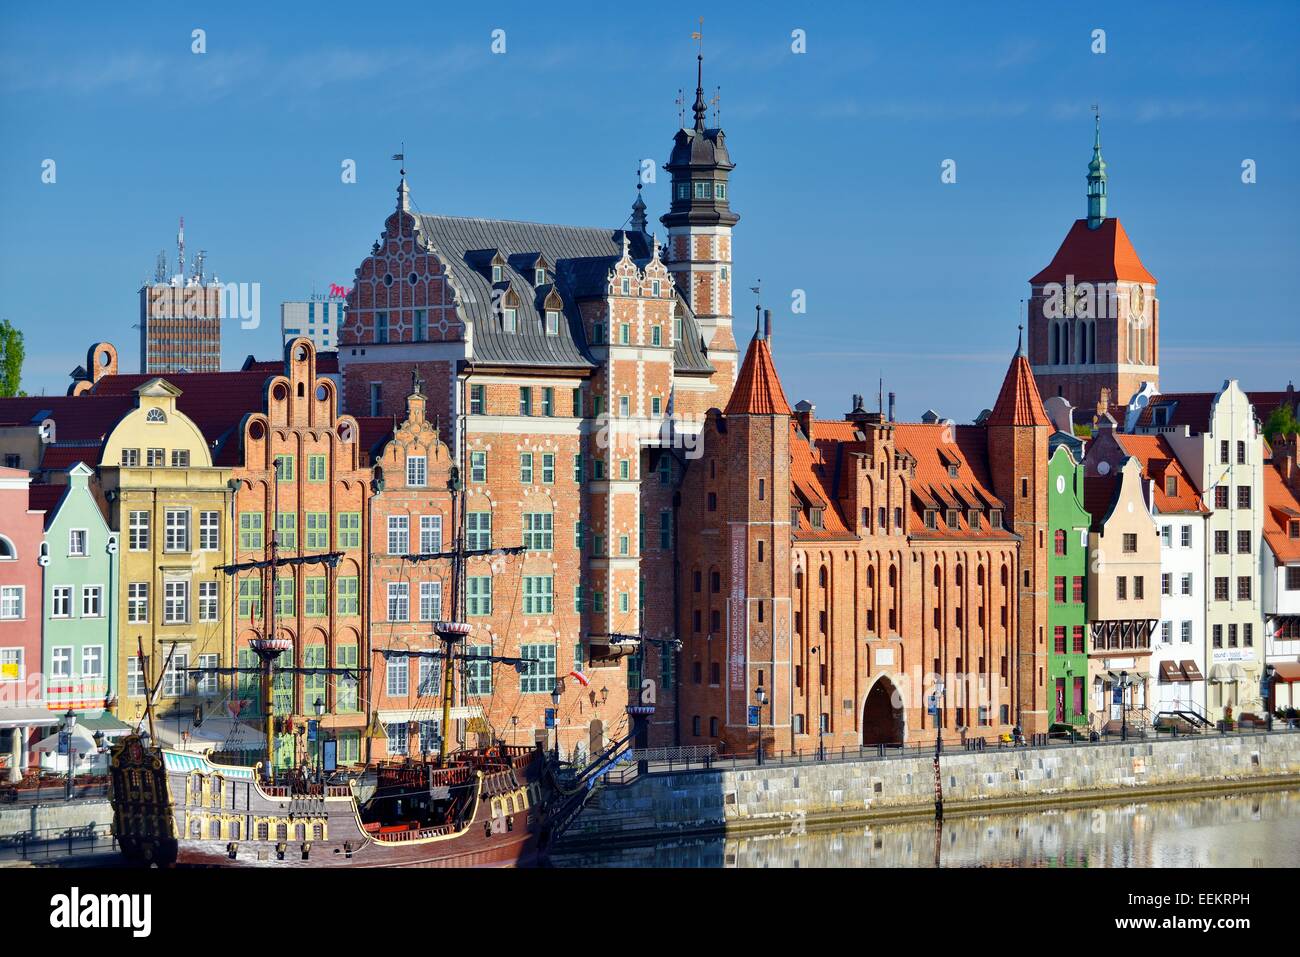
x,y
932,704
65,741
331,756
312,726
753,717
550,717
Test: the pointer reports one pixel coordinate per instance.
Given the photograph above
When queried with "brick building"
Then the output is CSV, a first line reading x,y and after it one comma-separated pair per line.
x,y
841,566
567,369
1094,319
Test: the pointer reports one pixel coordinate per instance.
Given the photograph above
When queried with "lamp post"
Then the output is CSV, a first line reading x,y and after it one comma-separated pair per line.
x,y
319,708
555,706
70,722
821,753
1123,706
1266,686
761,697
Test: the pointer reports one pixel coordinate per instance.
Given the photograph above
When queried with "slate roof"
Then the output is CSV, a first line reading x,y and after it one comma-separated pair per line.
x,y
1182,408
580,258
1104,253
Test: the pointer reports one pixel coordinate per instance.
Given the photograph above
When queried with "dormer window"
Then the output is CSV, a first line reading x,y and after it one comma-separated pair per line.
x,y
552,322
815,516
952,471
995,518
973,517
496,272
627,286
930,518
508,317
794,516
539,277
1171,485
1295,528
654,288
703,189
950,519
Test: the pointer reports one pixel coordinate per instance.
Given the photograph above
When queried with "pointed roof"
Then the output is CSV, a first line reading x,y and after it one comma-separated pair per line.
x,y
1103,253
758,389
1019,402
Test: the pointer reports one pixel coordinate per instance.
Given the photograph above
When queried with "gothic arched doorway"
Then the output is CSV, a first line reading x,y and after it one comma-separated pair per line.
x,y
882,722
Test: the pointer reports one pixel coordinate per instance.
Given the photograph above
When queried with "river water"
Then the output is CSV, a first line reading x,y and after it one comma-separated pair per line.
x,y
1251,829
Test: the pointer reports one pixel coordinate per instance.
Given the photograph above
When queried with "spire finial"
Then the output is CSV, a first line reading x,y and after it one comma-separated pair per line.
x,y
638,220
1096,176
700,108
1020,339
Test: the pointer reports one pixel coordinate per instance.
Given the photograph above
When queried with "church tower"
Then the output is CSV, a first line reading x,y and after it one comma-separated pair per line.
x,y
1018,429
1093,313
699,225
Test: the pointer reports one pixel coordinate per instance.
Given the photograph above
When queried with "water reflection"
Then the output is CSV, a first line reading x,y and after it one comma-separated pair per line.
x,y
1259,829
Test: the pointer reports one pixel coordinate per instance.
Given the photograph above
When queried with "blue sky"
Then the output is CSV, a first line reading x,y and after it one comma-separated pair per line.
x,y
838,154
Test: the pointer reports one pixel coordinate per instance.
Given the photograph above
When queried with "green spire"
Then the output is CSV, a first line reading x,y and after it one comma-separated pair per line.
x,y
1096,183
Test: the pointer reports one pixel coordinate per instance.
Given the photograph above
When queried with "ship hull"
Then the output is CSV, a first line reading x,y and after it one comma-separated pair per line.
x,y
178,809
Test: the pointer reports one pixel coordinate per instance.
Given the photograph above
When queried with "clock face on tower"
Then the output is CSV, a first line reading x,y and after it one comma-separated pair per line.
x,y
1136,300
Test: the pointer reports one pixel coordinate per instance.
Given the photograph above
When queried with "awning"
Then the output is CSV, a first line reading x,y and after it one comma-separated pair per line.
x,y
82,741
111,726
29,717
1225,674
1172,671
1287,672
1191,671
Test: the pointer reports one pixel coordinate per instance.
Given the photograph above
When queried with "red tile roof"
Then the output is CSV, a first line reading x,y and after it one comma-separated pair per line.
x,y
758,390
937,448
1098,496
216,401
45,498
1282,507
1160,463
812,476
1095,254
1019,402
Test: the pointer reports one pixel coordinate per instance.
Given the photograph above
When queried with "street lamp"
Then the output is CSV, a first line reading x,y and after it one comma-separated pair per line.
x,y
555,704
761,697
938,717
1270,675
319,708
1123,706
70,722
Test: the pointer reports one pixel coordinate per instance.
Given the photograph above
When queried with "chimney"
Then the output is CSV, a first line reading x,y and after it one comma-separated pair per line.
x,y
892,398
767,325
803,414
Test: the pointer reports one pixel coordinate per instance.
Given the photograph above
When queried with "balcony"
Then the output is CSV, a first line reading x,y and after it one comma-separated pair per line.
x,y
1114,636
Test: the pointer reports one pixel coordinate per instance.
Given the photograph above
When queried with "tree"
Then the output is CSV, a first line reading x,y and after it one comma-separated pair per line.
x,y
11,360
1281,423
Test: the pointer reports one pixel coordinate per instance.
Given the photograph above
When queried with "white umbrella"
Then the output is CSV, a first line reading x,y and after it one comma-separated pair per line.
x,y
82,741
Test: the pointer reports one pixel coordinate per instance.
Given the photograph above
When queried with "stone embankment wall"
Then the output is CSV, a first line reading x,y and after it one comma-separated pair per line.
x,y
657,806
51,821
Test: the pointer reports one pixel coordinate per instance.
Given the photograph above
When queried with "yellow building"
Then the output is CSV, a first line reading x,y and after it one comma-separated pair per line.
x,y
172,509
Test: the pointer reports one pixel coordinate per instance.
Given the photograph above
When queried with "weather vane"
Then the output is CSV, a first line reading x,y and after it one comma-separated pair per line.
x,y
699,35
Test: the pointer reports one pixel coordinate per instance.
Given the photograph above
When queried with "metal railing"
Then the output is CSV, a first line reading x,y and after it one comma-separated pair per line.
x,y
49,843
627,773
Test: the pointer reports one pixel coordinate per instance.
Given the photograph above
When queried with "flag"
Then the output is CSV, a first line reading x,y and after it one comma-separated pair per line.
x,y
400,156
579,677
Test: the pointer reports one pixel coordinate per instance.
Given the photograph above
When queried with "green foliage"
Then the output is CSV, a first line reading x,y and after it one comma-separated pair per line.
x,y
1082,431
1281,423
11,360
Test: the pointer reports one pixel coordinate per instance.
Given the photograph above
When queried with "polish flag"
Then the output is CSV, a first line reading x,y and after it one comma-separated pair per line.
x,y
580,678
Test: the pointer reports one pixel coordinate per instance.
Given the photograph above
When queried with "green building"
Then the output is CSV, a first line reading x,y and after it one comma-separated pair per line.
x,y
79,628
1067,603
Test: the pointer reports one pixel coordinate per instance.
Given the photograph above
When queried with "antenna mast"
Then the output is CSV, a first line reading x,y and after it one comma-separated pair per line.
x,y
180,250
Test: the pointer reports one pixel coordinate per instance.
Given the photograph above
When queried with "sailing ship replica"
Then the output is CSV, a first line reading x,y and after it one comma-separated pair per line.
x,y
495,805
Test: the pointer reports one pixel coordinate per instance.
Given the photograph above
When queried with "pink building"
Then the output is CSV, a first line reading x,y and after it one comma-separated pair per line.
x,y
21,531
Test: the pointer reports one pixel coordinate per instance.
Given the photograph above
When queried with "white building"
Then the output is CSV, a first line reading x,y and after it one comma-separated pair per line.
x,y
318,318
1280,571
1216,437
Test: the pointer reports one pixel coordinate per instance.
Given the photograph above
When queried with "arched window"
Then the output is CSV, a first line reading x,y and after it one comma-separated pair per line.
x,y
893,576
7,551
155,415
821,577
979,575
1004,575
871,576
959,576
938,577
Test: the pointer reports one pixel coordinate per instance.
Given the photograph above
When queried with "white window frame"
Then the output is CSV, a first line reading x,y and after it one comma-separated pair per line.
x,y
175,679
430,534
397,676
417,471
92,596
209,531
138,531
134,678
172,533
95,670
399,534
13,602
430,601
61,661
208,682
169,601
137,601
209,601
73,551
399,601
61,595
